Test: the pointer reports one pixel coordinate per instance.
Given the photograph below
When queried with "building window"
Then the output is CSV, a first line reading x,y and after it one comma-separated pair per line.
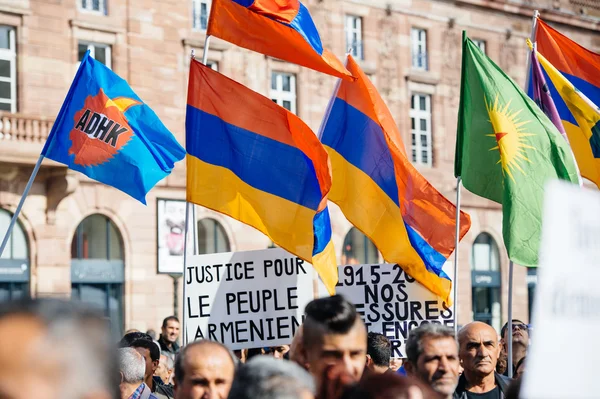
x,y
420,120
418,39
8,69
99,52
283,90
214,65
94,6
200,14
480,43
98,268
354,43
358,249
531,285
14,262
485,276
212,238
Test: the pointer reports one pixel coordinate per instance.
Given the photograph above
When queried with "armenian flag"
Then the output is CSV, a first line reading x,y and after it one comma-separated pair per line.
x,y
380,192
282,29
106,132
255,161
581,67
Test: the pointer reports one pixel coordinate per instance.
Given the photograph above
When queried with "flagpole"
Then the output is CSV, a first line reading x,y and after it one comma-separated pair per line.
x,y
455,283
536,15
15,216
508,332
185,252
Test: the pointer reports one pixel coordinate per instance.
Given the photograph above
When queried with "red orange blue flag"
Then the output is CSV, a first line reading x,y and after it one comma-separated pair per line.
x,y
572,74
380,192
106,132
282,29
251,159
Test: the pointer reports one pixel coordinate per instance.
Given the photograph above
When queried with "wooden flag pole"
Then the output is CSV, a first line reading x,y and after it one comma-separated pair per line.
x,y
15,216
455,282
536,15
508,332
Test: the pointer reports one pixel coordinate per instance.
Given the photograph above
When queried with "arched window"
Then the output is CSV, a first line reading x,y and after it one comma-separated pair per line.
x,y
358,249
98,268
212,237
485,276
14,261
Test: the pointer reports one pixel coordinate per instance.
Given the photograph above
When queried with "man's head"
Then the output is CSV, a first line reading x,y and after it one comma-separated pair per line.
x,y
170,329
204,370
132,336
520,334
479,349
132,367
278,352
165,368
265,378
151,354
60,344
432,356
379,352
333,335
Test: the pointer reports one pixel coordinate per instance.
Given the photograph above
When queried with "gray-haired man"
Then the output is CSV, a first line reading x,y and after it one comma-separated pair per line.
x,y
432,356
264,377
132,367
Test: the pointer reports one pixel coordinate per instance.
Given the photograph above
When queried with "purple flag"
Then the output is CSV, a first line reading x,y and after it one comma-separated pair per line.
x,y
542,96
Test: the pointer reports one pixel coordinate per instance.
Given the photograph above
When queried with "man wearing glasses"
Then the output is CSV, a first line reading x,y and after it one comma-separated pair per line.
x,y
520,339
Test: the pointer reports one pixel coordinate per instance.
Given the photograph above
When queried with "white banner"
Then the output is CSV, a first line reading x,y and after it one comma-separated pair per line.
x,y
246,299
391,302
566,311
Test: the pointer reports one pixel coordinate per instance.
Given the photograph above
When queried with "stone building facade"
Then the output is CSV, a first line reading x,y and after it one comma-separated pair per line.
x,y
82,239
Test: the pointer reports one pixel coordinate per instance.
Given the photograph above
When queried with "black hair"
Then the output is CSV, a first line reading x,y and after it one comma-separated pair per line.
x,y
128,339
167,319
152,347
505,326
329,315
379,348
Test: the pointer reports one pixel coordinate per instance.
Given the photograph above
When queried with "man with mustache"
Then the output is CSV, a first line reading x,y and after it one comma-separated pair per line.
x,y
478,352
432,356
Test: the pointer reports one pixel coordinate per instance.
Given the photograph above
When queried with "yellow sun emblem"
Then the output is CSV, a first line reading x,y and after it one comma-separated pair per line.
x,y
509,134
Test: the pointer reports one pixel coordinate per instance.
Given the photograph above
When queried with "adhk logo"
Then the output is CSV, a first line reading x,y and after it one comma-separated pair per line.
x,y
101,129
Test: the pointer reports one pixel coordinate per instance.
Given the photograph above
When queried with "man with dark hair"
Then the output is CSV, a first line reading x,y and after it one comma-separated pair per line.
x,y
379,352
520,339
131,336
204,369
150,351
432,357
53,349
333,336
479,351
169,335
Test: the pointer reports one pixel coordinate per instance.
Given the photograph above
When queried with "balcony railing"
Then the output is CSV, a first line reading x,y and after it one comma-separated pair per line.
x,y
23,128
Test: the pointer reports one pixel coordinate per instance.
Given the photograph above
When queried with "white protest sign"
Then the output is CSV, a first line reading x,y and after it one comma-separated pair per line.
x,y
391,302
246,299
567,304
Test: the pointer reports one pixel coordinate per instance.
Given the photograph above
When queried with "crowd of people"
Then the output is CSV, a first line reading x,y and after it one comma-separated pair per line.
x,y
62,349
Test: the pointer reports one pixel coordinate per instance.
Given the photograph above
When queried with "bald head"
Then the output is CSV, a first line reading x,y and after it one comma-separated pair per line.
x,y
204,369
479,349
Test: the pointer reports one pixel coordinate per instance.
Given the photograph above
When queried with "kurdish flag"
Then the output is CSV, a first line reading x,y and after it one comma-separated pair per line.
x,y
253,160
581,68
380,192
507,150
282,29
105,131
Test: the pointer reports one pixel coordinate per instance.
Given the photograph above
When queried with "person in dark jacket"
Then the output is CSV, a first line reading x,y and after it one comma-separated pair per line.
x,y
479,350
169,335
